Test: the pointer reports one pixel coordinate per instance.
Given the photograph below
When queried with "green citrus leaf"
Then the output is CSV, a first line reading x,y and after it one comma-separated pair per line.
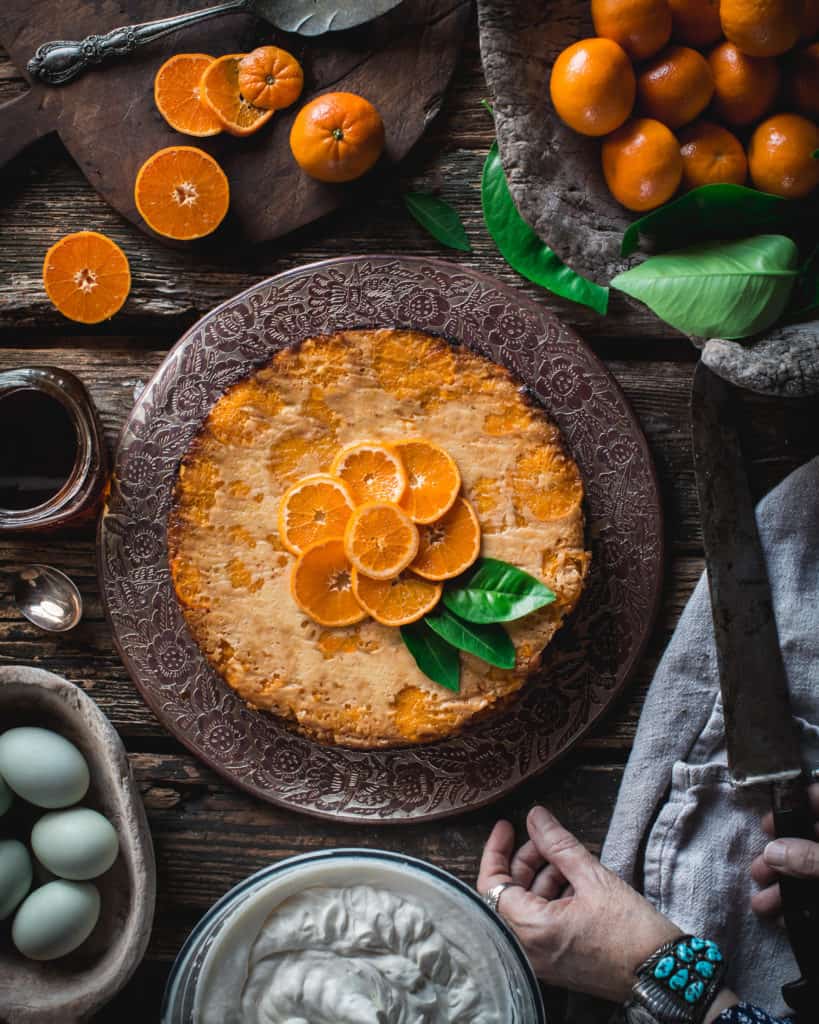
x,y
439,218
522,249
490,642
714,211
495,591
437,659
717,289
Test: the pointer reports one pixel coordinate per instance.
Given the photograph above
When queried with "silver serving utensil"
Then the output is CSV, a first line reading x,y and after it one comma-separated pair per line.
x,y
62,60
48,598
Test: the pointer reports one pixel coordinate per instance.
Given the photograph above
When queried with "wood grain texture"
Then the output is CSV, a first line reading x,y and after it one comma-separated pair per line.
x,y
207,835
109,123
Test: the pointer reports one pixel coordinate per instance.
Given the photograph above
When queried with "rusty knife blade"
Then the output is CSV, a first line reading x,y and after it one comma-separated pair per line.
x,y
761,735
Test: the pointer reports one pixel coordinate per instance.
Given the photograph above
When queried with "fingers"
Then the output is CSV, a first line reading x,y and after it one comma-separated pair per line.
x,y
548,883
796,857
526,863
762,873
497,853
559,847
767,902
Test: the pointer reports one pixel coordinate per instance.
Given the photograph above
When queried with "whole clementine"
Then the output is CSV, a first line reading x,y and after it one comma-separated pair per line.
x,y
761,28
744,87
270,78
592,86
675,86
710,155
337,137
642,164
780,156
641,27
695,22
803,80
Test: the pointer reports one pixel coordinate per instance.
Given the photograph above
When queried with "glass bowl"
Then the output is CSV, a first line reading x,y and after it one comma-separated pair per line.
x,y
526,1003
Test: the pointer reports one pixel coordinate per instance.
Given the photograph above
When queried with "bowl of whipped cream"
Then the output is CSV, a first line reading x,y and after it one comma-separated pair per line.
x,y
352,936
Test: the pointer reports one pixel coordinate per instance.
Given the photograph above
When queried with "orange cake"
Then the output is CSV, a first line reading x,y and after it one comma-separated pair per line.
x,y
357,684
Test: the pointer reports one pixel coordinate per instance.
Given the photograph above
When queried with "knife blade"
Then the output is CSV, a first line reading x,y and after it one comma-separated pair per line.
x,y
761,735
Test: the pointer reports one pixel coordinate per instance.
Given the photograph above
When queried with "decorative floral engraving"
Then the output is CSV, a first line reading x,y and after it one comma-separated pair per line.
x,y
582,670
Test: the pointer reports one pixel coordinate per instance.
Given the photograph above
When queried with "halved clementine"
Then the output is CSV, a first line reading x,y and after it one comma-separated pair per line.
x,y
219,86
316,508
270,78
398,601
380,540
177,96
372,472
181,192
321,585
86,276
449,545
433,480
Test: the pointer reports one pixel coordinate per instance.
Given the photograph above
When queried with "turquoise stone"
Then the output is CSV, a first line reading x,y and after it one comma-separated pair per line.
x,y
713,954
694,991
684,953
664,967
678,981
704,969
697,944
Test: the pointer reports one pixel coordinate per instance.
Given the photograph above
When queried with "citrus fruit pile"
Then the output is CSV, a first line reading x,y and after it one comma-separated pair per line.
x,y
181,192
736,80
379,534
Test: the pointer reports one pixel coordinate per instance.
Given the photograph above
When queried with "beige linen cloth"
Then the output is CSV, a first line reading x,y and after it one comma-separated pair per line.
x,y
680,832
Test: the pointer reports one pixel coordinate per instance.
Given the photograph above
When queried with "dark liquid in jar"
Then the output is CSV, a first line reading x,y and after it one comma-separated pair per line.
x,y
38,448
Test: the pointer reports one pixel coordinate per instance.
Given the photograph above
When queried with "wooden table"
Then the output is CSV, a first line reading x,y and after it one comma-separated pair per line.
x,y
208,835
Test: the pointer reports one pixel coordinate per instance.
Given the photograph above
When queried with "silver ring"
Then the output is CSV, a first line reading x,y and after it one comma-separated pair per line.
x,y
493,895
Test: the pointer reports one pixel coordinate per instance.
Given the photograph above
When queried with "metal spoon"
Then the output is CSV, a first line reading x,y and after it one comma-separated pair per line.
x,y
48,598
62,60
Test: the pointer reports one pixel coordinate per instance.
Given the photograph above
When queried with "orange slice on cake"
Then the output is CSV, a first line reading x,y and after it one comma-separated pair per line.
x,y
371,471
315,509
380,540
449,545
398,601
433,480
321,585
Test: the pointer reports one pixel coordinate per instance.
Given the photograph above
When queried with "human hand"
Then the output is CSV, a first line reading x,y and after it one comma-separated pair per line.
x,y
581,925
796,857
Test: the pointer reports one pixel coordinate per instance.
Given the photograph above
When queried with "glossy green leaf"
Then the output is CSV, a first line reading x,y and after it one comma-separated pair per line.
x,y
439,218
713,211
495,591
521,247
489,641
437,659
717,289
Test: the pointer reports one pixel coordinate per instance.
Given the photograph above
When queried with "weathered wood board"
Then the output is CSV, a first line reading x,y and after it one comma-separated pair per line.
x,y
109,123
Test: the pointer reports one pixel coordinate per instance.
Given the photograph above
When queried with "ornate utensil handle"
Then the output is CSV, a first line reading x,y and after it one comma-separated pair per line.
x,y
62,60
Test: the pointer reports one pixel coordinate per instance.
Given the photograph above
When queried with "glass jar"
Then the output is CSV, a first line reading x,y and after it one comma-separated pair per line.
x,y
76,494
216,932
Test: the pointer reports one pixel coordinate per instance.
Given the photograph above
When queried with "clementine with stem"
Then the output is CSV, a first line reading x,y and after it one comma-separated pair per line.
x,y
337,137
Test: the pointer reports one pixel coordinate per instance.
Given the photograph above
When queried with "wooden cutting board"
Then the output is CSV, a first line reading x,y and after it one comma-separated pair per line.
x,y
109,123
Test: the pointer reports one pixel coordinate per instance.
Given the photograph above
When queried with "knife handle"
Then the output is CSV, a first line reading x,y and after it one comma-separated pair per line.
x,y
794,819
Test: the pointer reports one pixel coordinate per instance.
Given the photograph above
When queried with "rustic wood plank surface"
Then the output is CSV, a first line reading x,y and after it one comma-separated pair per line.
x,y
208,835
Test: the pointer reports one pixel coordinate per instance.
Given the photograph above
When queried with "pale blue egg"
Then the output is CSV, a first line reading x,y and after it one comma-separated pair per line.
x,y
55,919
42,767
6,796
15,875
78,843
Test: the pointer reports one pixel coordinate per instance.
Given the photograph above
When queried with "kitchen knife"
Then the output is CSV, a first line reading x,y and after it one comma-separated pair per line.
x,y
761,736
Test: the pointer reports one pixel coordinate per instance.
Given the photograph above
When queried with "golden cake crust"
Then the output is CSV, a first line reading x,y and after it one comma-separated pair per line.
x,y
358,686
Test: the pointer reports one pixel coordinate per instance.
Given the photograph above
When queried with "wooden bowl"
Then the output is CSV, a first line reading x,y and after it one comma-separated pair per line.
x,y
73,987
